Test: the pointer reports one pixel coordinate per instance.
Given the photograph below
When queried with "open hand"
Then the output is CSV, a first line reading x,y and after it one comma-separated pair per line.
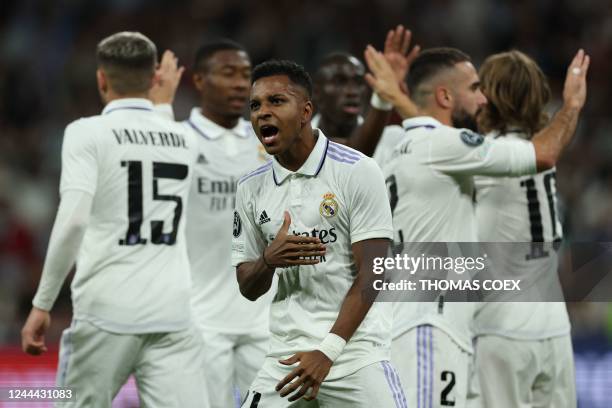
x,y
167,78
575,88
312,369
396,52
290,250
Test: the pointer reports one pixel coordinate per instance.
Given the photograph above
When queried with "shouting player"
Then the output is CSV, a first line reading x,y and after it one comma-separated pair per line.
x,y
431,174
315,216
523,351
124,186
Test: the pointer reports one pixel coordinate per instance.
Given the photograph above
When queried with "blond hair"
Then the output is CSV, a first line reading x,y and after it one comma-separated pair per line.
x,y
517,91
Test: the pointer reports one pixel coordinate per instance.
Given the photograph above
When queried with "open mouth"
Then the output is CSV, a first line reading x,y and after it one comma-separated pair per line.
x,y
268,133
352,107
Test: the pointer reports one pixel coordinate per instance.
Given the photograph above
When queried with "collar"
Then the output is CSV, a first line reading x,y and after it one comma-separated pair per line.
x,y
311,167
314,122
210,130
128,104
419,122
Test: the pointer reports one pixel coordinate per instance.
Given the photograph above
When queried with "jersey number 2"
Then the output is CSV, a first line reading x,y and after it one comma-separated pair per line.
x,y
135,213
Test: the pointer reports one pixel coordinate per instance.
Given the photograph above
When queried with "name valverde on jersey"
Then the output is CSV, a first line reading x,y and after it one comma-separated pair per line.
x,y
338,195
132,272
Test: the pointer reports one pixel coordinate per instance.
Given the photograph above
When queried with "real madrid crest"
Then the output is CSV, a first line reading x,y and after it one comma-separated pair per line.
x,y
329,206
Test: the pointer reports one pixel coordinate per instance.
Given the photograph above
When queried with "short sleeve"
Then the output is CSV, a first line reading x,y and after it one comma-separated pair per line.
x,y
370,212
462,151
247,240
79,159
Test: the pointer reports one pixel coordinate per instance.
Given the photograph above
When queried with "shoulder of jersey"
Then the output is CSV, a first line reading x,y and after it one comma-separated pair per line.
x,y
470,137
340,153
257,173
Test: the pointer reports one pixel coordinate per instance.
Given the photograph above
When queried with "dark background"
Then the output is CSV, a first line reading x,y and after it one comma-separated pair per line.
x,y
47,80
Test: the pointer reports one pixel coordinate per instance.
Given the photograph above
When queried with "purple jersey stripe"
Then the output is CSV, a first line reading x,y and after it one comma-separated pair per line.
x,y
340,159
347,149
197,129
401,388
391,385
343,152
419,369
431,367
260,170
128,108
398,384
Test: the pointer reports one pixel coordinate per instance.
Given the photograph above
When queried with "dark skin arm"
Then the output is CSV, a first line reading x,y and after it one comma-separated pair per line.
x,y
313,365
255,278
398,54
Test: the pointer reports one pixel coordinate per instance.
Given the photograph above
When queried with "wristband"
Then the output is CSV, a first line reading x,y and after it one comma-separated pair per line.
x,y
379,103
263,257
332,346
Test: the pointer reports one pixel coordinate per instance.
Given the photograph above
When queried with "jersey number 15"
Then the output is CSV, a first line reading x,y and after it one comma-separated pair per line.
x,y
135,213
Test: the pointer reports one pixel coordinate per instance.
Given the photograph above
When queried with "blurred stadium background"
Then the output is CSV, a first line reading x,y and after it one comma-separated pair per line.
x,y
47,79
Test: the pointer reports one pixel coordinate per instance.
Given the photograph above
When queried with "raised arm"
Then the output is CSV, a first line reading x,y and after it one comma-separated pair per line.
x,y
382,80
398,54
550,142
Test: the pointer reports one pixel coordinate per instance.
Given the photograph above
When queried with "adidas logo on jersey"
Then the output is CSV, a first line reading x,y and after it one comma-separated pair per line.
x,y
263,218
202,159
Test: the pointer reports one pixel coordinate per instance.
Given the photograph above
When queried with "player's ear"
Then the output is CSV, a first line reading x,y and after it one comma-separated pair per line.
x,y
307,111
102,82
443,97
198,81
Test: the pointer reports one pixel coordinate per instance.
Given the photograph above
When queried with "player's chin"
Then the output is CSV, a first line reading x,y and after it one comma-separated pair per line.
x,y
272,149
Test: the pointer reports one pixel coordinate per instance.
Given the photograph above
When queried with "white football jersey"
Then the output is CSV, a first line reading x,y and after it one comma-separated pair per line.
x,y
392,135
521,209
224,155
430,180
132,273
338,195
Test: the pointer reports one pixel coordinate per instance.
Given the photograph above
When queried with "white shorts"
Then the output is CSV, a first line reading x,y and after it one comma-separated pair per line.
x,y
434,369
231,360
525,373
167,366
376,385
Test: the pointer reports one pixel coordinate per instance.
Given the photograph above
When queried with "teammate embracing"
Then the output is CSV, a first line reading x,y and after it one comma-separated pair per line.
x,y
431,184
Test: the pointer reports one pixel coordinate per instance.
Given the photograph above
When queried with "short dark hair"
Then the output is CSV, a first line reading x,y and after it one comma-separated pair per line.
x,y
294,71
431,62
334,57
207,50
128,59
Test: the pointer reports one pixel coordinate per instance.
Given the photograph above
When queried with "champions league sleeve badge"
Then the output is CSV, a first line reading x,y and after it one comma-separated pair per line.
x,y
237,224
471,138
329,206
